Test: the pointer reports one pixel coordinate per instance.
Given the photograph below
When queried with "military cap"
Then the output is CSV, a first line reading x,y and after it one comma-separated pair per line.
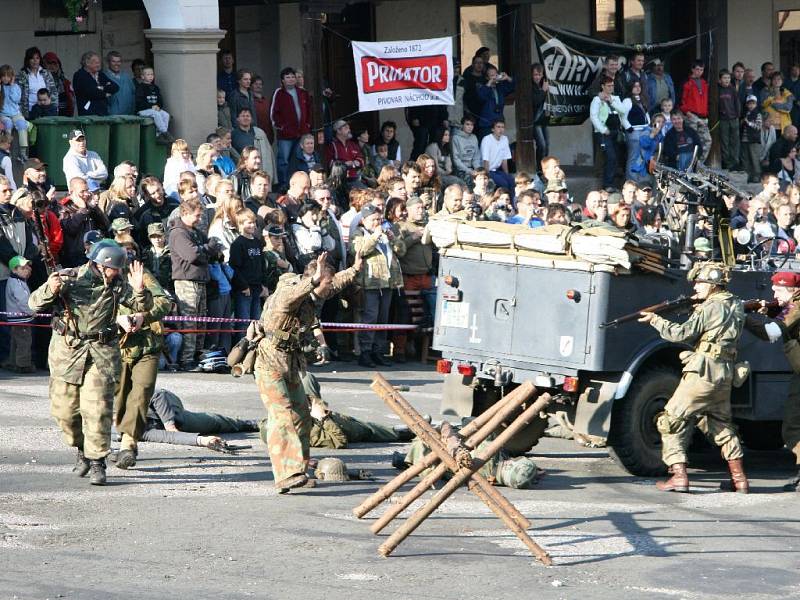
x,y
786,279
368,210
155,229
120,224
711,272
556,185
92,236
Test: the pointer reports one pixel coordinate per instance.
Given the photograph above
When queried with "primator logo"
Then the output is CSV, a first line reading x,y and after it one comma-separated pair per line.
x,y
390,74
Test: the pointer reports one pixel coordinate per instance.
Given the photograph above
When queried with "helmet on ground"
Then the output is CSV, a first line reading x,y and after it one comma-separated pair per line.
x,y
520,473
331,469
107,253
218,364
711,272
209,354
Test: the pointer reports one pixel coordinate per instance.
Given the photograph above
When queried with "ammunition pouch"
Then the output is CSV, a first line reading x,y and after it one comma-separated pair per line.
x,y
741,371
716,351
285,341
792,351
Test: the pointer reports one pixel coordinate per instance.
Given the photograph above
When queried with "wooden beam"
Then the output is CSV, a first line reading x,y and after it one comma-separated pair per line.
x,y
525,156
311,39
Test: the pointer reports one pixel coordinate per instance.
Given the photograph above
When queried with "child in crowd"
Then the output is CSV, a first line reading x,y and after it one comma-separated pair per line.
x,y
751,139
17,294
223,111
249,272
180,160
729,110
522,182
157,258
149,103
44,106
10,113
482,183
381,157
6,166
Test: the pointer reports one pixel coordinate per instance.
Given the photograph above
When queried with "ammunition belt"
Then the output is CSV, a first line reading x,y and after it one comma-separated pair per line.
x,y
104,336
716,351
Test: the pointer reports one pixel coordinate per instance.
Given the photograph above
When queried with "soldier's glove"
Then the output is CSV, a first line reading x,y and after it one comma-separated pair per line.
x,y
219,445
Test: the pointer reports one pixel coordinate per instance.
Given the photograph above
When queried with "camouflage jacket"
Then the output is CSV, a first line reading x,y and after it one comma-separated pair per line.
x,y
328,434
150,338
289,319
159,265
93,307
713,330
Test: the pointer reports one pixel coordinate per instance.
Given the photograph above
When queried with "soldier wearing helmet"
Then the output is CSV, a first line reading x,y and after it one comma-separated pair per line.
x,y
84,355
702,397
784,327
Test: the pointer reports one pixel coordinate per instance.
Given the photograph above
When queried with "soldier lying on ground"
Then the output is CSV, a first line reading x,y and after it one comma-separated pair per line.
x,y
520,472
331,429
168,422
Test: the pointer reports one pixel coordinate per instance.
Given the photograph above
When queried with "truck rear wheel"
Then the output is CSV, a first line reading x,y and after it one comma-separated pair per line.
x,y
634,441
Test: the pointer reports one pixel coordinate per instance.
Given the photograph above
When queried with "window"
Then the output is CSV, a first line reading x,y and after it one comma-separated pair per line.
x,y
478,29
606,19
789,38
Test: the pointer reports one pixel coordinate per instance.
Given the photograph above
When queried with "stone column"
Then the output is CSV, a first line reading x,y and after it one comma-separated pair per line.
x,y
186,71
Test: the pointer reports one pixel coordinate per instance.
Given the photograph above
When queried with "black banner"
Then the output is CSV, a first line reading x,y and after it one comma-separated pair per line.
x,y
572,62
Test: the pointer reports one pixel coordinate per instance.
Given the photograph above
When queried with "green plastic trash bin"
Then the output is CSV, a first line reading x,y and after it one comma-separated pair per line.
x,y
153,156
98,135
52,144
124,141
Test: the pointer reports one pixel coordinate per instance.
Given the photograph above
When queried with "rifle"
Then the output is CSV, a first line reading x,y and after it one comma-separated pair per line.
x,y
665,306
44,245
757,304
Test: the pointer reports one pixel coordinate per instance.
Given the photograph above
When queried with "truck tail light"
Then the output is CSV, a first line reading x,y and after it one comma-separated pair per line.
x,y
574,295
466,370
570,384
444,366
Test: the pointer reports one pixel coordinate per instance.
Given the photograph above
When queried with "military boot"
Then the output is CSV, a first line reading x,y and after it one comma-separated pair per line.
x,y
794,484
98,468
738,481
81,467
126,459
679,482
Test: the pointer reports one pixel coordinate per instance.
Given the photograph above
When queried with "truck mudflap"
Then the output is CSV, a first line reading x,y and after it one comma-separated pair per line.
x,y
593,411
458,395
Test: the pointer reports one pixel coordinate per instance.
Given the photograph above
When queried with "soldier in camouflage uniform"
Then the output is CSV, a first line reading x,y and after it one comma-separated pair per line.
x,y
785,327
84,353
335,430
289,323
141,348
702,397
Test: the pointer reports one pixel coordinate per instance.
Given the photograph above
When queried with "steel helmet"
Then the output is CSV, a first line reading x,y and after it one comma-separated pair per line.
x,y
107,253
216,364
331,469
520,473
711,272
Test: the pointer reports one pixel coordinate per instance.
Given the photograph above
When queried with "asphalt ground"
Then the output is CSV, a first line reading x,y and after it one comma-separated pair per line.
x,y
190,523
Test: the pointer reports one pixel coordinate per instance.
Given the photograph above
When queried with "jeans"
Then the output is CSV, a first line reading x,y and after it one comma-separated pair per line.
x,y
729,142
503,179
375,310
542,137
160,118
172,346
20,124
220,307
246,307
634,166
285,149
608,144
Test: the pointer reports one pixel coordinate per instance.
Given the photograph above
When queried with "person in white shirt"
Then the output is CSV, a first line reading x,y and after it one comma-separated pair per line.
x,y
83,163
496,153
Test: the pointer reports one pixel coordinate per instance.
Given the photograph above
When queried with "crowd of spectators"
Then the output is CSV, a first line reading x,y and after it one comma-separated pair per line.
x,y
232,216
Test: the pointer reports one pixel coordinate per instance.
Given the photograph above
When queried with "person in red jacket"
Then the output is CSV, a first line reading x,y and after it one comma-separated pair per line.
x,y
290,114
345,149
694,105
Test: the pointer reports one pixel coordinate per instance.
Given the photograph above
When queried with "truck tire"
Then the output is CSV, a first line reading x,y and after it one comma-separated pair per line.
x,y
634,441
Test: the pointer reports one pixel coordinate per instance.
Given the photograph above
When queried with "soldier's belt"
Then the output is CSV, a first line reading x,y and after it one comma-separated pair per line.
x,y
715,351
104,336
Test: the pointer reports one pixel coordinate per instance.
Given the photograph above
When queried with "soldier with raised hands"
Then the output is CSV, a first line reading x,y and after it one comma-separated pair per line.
x,y
84,355
289,325
785,328
703,396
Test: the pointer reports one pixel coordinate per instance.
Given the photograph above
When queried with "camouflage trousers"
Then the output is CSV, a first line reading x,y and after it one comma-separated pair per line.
x,y
191,297
696,402
791,418
136,385
83,412
701,127
288,423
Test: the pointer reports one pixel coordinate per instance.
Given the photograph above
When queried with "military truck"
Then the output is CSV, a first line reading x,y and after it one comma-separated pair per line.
x,y
501,320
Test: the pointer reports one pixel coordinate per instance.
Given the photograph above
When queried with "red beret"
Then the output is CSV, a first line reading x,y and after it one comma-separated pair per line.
x,y
786,278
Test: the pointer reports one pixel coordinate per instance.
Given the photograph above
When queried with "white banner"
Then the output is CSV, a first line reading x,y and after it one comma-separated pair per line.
x,y
400,74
